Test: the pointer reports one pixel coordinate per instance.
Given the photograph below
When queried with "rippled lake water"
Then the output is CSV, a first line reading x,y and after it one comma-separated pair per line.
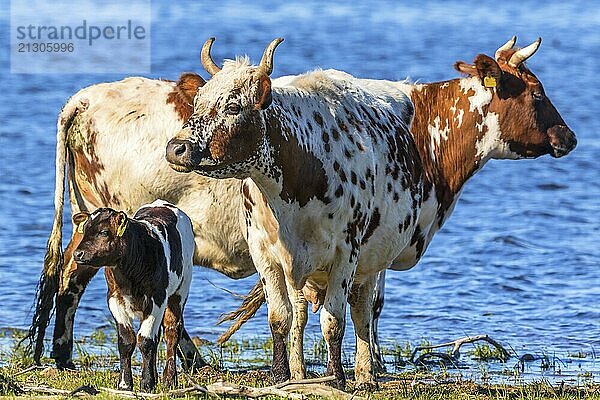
x,y
518,259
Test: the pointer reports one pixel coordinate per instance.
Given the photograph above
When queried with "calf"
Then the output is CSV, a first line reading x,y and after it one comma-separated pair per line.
x,y
148,260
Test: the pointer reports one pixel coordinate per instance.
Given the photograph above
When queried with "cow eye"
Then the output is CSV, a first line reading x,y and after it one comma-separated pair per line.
x,y
233,109
538,96
104,233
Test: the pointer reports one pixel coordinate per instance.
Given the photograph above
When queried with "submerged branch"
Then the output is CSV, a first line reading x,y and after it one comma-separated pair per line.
x,y
454,356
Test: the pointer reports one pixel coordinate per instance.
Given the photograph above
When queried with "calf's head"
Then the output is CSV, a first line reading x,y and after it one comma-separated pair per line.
x,y
227,129
102,243
529,125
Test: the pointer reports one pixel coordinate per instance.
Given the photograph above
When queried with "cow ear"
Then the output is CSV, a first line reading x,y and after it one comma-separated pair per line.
x,y
79,220
188,85
80,217
465,68
264,93
488,70
122,221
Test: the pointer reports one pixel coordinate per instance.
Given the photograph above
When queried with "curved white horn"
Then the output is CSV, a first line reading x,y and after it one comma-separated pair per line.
x,y
524,53
266,62
207,61
506,46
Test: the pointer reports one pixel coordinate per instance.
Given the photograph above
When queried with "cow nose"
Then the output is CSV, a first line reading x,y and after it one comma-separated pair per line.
x,y
179,150
562,140
180,154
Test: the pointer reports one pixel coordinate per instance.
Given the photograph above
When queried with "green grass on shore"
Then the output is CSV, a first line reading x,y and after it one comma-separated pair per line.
x,y
246,361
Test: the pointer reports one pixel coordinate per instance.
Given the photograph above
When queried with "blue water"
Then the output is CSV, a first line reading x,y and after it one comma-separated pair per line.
x,y
518,260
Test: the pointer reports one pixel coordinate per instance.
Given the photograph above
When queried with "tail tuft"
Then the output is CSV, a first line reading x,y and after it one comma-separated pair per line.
x,y
252,302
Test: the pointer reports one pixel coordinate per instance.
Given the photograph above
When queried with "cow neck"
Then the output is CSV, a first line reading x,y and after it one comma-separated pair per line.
x,y
290,171
446,135
138,249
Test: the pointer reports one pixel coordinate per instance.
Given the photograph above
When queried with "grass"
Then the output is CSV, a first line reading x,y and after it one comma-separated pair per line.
x,y
246,362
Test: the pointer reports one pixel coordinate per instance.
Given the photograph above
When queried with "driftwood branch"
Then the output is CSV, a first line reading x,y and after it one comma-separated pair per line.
x,y
296,390
29,369
455,355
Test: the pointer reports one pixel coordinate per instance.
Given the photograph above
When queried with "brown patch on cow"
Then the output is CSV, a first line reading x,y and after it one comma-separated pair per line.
x,y
418,240
335,134
456,158
303,177
237,143
182,96
318,118
373,224
86,165
248,202
523,122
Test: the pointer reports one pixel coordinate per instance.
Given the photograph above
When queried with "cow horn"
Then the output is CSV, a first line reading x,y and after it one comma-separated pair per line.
x,y
523,54
207,61
266,62
506,46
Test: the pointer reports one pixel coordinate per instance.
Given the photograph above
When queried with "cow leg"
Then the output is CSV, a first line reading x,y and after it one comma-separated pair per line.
x,y
361,308
189,355
147,340
378,361
333,318
125,336
126,345
173,327
299,319
280,320
73,283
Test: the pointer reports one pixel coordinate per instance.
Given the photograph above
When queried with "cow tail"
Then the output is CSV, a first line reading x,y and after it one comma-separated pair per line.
x,y
252,302
49,280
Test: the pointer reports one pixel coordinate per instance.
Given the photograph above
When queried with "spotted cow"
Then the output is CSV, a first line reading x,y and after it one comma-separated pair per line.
x,y
323,151
498,111
110,150
148,260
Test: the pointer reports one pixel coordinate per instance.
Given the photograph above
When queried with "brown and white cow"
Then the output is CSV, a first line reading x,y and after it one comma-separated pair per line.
x,y
148,270
498,111
458,126
110,140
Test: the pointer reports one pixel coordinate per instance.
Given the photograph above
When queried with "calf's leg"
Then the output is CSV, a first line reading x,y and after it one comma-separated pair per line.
x,y
126,344
189,355
147,340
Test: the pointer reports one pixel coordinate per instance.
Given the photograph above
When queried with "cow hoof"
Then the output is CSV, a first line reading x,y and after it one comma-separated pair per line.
x,y
147,387
280,374
338,383
127,386
62,365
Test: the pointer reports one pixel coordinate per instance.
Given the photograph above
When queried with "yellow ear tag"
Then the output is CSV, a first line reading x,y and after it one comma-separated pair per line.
x,y
80,226
489,82
121,228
